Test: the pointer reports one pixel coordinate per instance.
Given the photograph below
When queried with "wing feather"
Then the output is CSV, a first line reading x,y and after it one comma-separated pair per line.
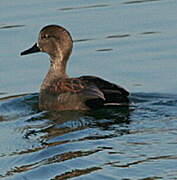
x,y
76,86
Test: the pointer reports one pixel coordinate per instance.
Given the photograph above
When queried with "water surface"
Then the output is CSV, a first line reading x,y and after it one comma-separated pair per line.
x,y
132,43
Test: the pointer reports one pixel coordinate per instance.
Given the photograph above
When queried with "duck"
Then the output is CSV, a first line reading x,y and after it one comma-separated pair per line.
x,y
58,91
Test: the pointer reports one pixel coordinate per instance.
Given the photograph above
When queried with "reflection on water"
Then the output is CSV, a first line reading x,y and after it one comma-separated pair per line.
x,y
65,144
108,49
118,36
140,1
3,26
150,32
83,40
95,6
84,7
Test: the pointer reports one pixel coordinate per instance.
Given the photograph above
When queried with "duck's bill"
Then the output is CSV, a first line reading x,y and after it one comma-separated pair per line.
x,y
33,49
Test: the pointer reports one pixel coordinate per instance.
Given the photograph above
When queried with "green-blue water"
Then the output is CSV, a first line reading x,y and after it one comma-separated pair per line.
x,y
131,43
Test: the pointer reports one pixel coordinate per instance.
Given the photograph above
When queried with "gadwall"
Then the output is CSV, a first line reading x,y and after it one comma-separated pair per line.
x,y
60,92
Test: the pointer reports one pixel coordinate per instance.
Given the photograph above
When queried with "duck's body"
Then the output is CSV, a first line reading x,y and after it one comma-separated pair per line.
x,y
58,91
83,93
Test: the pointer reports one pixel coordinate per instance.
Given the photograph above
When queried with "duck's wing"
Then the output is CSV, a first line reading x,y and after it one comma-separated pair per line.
x,y
112,93
86,92
75,91
75,85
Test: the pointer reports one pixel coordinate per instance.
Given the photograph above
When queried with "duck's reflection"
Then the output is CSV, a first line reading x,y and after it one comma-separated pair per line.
x,y
60,123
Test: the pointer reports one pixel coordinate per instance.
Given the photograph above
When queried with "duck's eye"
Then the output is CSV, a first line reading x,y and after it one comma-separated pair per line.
x,y
45,36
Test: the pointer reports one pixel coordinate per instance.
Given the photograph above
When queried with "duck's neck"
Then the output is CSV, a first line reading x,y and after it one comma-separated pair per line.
x,y
57,70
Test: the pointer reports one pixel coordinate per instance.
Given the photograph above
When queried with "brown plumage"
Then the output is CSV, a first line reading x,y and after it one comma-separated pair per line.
x,y
58,91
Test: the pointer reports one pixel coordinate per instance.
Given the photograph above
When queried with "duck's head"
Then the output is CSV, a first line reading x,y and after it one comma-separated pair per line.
x,y
53,40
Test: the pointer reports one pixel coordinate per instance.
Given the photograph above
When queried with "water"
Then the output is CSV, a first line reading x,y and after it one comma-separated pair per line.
x,y
129,42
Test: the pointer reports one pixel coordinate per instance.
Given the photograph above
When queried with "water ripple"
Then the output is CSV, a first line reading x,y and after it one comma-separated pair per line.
x,y
140,1
112,135
83,40
84,7
118,36
51,160
104,50
76,173
11,26
149,159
